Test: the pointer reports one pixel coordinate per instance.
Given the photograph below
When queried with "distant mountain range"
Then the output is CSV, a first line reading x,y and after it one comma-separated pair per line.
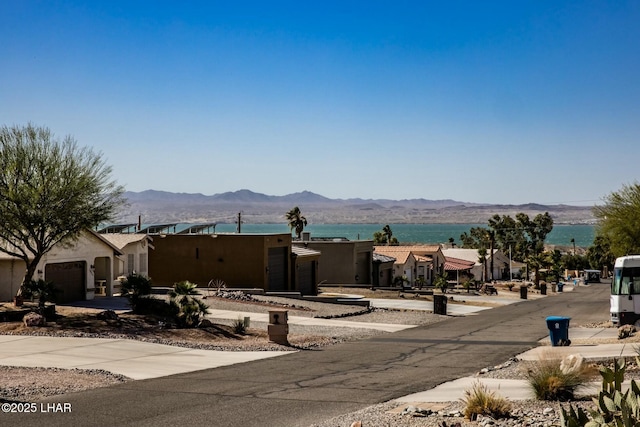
x,y
166,207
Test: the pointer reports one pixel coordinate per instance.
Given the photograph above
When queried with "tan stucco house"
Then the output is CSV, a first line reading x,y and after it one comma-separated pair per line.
x,y
415,262
500,262
77,269
343,261
248,260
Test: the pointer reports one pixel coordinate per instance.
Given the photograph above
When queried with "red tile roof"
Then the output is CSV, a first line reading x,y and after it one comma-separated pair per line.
x,y
457,264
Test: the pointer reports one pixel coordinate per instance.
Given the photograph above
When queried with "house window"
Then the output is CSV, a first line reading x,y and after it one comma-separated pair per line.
x,y
143,263
130,264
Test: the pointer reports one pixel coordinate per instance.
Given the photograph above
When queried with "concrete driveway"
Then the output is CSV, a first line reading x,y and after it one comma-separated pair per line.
x,y
135,359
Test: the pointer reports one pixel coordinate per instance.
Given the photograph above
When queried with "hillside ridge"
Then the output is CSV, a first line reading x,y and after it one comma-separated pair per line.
x,y
162,206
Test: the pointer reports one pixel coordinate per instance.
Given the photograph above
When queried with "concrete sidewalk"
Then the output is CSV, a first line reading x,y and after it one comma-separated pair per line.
x,y
519,389
409,304
301,320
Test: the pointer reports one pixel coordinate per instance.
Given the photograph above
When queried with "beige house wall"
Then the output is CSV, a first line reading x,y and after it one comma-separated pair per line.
x,y
11,274
344,262
138,252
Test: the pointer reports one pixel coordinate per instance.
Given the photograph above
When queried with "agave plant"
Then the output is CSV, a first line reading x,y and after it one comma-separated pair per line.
x,y
190,308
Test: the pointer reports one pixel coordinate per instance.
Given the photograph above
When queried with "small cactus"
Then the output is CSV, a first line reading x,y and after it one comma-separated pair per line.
x,y
613,408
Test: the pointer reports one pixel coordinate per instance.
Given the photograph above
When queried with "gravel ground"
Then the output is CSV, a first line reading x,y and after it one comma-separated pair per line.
x,y
31,384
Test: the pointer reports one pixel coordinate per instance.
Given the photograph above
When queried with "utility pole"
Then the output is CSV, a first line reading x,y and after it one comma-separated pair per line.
x,y
510,268
239,222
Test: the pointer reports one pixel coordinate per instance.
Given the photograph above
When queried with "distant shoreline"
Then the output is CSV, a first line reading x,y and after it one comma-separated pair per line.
x,y
561,235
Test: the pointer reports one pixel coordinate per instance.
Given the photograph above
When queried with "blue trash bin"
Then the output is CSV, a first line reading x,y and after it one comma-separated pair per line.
x,y
560,286
558,330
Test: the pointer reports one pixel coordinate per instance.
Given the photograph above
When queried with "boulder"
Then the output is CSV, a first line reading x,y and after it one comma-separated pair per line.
x,y
625,331
33,319
205,323
108,315
572,363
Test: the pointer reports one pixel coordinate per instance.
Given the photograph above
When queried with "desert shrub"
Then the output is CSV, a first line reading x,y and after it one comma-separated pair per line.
x,y
155,306
480,401
467,285
239,326
42,290
551,379
134,287
441,283
400,281
626,331
189,308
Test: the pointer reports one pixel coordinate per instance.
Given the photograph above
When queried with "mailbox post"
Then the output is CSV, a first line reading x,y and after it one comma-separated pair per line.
x,y
278,327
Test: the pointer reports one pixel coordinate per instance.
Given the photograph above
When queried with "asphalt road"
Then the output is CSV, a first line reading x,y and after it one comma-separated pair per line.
x,y
309,386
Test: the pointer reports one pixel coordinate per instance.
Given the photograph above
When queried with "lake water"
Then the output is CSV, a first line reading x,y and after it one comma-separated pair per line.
x,y
414,233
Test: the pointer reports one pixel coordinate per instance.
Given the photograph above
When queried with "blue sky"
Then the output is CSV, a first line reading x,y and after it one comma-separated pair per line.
x,y
489,102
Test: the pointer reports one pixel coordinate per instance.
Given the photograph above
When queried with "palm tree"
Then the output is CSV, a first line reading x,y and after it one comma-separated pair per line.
x,y
296,221
190,309
482,259
574,246
386,230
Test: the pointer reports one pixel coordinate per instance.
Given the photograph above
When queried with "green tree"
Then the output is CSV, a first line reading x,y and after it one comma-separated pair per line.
x,y
552,260
574,262
508,235
379,238
50,191
619,220
296,221
536,231
600,255
478,237
384,237
386,230
483,239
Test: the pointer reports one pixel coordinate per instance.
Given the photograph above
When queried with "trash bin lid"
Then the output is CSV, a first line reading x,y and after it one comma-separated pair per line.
x,y
557,318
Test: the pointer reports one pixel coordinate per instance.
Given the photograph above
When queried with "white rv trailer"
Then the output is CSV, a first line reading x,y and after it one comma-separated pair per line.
x,y
625,291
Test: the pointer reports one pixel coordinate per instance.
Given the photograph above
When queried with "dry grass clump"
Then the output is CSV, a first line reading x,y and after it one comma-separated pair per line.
x,y
555,378
480,401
